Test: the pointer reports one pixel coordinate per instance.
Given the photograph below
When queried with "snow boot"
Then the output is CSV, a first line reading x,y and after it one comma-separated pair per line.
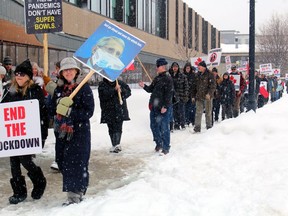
x,y
39,183
73,198
19,190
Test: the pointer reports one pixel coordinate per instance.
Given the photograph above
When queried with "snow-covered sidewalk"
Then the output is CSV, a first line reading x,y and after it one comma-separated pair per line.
x,y
239,167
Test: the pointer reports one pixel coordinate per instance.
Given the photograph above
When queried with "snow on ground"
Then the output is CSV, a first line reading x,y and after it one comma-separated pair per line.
x,y
238,168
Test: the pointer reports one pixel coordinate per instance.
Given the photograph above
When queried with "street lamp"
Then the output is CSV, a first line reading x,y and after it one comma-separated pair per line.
x,y
251,91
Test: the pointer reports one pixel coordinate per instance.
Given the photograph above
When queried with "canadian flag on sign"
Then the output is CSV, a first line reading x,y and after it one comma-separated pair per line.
x,y
130,66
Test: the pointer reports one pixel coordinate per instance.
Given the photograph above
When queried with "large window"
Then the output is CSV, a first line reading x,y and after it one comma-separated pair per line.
x,y
177,22
184,25
190,27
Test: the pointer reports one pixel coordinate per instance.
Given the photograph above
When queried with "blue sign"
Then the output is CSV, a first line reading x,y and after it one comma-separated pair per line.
x,y
109,50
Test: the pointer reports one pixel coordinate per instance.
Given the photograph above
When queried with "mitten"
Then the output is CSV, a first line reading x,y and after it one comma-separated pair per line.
x,y
50,87
63,108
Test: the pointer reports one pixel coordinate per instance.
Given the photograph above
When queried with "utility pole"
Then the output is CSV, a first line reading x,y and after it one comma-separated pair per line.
x,y
251,91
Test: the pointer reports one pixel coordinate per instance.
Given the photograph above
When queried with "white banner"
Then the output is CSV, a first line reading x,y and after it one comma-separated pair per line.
x,y
266,69
20,130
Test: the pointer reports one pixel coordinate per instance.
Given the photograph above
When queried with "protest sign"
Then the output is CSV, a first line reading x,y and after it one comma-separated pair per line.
x,y
214,57
43,16
266,69
20,129
109,50
235,78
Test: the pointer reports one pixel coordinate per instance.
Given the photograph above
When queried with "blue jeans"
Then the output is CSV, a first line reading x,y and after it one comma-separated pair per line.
x,y
160,127
190,110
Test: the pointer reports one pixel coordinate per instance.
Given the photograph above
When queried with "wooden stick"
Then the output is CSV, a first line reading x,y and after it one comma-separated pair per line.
x,y
144,69
119,93
45,54
87,77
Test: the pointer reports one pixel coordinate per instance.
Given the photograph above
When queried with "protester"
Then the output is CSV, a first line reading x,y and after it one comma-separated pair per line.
x,y
160,105
203,92
2,75
227,96
114,111
190,108
72,131
238,92
216,99
23,88
181,88
7,63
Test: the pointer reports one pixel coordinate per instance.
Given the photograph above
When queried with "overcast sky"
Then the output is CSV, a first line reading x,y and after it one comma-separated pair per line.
x,y
234,14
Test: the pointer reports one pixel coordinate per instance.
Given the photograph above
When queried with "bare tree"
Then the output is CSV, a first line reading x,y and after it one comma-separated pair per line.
x,y
183,48
272,42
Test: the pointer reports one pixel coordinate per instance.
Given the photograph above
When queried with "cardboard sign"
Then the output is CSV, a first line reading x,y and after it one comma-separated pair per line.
x,y
266,69
43,16
277,72
109,50
214,57
236,81
20,129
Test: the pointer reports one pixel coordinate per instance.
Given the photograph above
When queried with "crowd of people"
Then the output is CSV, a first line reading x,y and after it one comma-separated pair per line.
x,y
178,100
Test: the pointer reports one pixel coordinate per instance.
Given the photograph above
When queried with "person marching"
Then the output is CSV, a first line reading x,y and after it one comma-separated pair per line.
x,y
203,92
23,88
113,113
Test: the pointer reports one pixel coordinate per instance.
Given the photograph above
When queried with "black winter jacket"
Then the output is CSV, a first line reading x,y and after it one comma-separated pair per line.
x,y
162,91
34,92
111,109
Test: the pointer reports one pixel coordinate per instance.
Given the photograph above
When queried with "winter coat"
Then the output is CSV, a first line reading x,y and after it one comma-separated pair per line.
x,y
162,91
204,84
111,109
227,92
181,86
191,76
34,92
73,156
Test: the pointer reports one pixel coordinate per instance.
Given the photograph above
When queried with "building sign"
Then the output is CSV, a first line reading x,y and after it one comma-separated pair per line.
x,y
43,16
20,129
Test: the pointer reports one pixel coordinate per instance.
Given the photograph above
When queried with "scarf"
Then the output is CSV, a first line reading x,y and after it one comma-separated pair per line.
x,y
64,125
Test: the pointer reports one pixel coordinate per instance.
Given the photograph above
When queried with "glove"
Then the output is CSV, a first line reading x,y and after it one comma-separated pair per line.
x,y
50,87
63,108
207,97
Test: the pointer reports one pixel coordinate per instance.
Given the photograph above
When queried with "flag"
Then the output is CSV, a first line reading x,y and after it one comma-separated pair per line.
x,y
130,66
263,92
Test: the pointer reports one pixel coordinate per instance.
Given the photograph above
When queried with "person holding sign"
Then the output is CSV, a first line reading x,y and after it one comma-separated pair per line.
x,y
72,130
113,113
240,84
23,88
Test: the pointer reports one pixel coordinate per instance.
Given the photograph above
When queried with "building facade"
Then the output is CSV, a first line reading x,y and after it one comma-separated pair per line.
x,y
170,29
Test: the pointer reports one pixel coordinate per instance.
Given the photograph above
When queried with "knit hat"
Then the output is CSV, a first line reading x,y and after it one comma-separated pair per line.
x,y
161,61
25,67
7,60
68,63
2,70
175,64
202,63
214,69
